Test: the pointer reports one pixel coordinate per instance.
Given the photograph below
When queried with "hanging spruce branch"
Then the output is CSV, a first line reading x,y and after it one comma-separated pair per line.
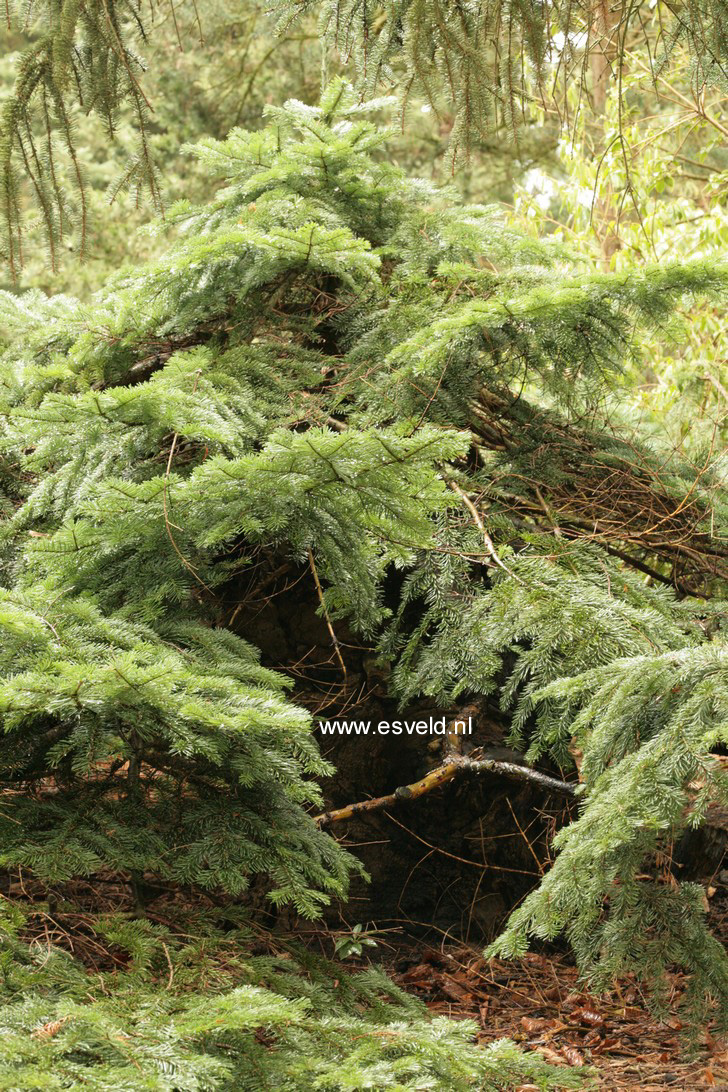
x,y
483,63
486,62
81,56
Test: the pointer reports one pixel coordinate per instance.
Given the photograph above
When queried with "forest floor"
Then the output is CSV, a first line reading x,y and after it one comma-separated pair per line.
x,y
538,1002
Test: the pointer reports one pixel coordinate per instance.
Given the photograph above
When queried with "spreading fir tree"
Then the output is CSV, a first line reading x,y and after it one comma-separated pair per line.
x,y
337,368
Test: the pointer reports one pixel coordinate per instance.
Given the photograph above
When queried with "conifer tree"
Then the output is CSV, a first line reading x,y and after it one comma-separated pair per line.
x,y
347,369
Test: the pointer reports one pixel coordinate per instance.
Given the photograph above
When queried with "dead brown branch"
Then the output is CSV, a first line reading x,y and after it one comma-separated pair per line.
x,y
454,766
599,488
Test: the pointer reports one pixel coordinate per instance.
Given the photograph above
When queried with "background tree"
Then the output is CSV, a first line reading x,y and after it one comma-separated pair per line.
x,y
645,181
479,70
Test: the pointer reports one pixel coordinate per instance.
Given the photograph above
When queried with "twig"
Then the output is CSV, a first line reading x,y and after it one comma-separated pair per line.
x,y
489,544
439,776
523,834
319,589
170,965
453,767
482,865
549,513
519,773
167,524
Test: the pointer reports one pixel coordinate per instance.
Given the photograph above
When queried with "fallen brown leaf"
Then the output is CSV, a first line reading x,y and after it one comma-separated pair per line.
x,y
572,1055
50,1029
454,990
588,1016
550,1055
534,1025
419,975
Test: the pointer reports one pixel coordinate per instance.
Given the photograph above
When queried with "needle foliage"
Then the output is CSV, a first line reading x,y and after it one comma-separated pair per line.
x,y
326,361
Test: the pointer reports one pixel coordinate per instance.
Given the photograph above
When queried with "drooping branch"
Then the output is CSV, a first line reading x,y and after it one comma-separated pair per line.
x,y
79,55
